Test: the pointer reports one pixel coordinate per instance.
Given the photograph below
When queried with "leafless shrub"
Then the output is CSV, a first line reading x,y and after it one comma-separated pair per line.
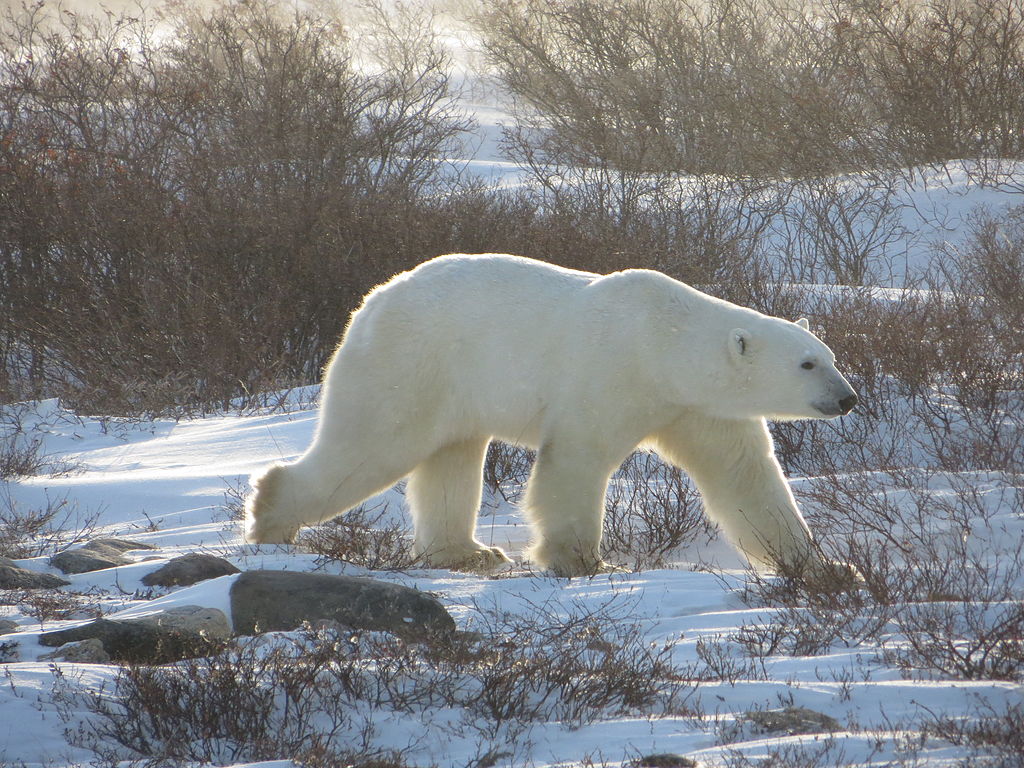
x,y
972,639
652,86
20,458
507,468
255,701
28,531
997,734
315,694
21,447
54,604
937,599
822,753
724,659
843,230
235,493
370,537
573,667
651,510
943,79
992,264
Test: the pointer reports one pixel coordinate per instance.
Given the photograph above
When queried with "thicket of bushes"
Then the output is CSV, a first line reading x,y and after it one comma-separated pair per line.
x,y
192,203
764,87
187,215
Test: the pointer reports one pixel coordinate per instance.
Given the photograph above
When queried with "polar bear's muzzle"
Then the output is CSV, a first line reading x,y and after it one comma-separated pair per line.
x,y
840,406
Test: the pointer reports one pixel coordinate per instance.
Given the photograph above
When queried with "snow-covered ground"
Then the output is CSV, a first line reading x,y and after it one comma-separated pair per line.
x,y
165,483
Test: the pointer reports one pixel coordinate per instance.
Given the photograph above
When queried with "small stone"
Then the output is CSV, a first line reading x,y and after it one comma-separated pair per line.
x,y
96,555
118,545
269,601
189,569
88,651
13,576
791,721
10,651
665,760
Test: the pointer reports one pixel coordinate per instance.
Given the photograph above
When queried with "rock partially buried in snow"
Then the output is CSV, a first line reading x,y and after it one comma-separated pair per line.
x,y
175,634
791,721
7,626
90,651
664,760
268,601
189,569
96,555
13,576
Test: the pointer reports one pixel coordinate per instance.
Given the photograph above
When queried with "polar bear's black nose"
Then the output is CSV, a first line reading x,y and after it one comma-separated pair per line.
x,y
847,403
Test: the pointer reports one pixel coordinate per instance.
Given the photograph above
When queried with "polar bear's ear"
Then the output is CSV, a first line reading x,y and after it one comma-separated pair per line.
x,y
802,322
739,341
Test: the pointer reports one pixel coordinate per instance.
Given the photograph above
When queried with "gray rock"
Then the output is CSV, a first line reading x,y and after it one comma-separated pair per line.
x,y
268,601
189,569
7,626
10,651
139,641
190,619
664,760
88,651
791,721
13,576
96,555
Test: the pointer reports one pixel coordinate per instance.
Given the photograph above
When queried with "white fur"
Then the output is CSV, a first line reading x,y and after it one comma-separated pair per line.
x,y
584,368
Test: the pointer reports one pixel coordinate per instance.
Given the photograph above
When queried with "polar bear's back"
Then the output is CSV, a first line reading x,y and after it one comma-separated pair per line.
x,y
484,335
472,300
494,278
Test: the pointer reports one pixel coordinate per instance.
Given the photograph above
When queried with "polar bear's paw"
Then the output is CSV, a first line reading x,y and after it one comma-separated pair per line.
x,y
570,561
265,520
827,576
579,567
265,529
481,559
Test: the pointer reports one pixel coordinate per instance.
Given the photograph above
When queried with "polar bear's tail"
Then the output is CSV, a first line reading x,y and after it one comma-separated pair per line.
x,y
268,516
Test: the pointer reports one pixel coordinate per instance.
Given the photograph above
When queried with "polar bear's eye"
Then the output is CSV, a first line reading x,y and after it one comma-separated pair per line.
x,y
807,365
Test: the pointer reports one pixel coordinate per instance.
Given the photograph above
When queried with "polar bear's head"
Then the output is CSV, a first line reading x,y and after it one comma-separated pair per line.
x,y
786,372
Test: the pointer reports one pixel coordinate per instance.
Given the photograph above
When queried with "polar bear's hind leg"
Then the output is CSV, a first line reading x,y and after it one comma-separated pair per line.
x,y
324,483
263,523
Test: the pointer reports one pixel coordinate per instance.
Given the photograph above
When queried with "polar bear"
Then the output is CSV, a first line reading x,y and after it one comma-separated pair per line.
x,y
584,368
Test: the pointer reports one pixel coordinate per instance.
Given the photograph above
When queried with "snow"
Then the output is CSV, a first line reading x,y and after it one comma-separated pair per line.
x,y
163,483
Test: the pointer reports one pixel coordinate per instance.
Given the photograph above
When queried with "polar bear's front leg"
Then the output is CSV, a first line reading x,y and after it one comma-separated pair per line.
x,y
565,503
444,498
733,465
